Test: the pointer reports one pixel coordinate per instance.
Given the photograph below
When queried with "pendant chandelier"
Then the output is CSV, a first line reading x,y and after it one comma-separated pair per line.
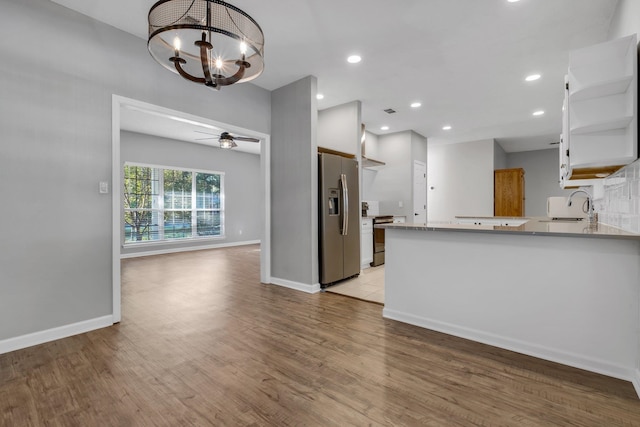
x,y
206,41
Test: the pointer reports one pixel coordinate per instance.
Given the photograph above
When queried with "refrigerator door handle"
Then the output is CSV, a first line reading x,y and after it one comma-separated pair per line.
x,y
345,204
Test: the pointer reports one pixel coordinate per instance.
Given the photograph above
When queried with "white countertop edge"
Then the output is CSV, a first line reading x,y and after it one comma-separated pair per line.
x,y
531,228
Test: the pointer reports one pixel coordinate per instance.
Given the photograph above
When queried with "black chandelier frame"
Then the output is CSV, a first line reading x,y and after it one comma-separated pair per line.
x,y
213,80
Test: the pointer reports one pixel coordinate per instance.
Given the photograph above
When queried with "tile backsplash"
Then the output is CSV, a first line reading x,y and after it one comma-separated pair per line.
x,y
620,203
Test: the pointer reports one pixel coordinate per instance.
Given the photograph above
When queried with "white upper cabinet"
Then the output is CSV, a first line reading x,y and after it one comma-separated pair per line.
x,y
600,110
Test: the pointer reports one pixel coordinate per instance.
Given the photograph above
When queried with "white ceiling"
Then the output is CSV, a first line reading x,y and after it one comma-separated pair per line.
x,y
179,128
464,60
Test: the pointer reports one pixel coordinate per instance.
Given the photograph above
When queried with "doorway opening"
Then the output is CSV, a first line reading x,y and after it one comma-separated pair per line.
x,y
162,117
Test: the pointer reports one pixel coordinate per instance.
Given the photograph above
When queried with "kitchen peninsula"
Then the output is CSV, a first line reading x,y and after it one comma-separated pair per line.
x,y
565,292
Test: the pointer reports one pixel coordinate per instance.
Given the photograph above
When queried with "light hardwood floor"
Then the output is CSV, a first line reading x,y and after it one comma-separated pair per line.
x,y
202,342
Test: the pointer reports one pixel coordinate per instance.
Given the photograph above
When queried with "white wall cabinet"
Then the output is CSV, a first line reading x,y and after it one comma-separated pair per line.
x,y
366,242
600,109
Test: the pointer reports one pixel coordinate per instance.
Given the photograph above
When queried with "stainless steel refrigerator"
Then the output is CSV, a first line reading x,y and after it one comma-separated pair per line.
x,y
339,219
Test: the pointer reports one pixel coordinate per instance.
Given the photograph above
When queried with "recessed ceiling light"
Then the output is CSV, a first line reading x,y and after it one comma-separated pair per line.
x,y
354,59
513,1
447,127
319,96
416,105
533,77
538,113
384,128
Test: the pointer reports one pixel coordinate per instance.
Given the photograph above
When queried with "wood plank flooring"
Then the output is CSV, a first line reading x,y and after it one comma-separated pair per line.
x,y
202,342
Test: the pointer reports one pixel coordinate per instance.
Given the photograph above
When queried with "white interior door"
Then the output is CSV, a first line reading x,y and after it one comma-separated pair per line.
x,y
419,192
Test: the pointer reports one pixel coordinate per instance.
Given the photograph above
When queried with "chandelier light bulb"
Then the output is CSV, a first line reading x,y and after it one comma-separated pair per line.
x,y
243,47
177,43
219,63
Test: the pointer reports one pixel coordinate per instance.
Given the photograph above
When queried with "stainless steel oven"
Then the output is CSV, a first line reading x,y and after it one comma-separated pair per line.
x,y
378,239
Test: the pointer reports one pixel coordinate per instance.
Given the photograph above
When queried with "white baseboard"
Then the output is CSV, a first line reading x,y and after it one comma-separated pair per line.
x,y
565,358
636,381
41,337
187,249
310,289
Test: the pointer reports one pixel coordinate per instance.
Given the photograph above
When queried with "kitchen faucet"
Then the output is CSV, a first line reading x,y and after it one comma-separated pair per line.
x,y
590,212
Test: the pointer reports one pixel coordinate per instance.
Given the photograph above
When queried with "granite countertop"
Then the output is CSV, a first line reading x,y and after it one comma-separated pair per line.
x,y
534,226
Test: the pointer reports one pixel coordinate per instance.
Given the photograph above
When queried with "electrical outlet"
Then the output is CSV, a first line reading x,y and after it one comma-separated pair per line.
x,y
400,204
104,187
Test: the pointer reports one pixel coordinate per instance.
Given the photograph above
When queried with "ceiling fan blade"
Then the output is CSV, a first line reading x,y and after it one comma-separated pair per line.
x,y
204,139
245,138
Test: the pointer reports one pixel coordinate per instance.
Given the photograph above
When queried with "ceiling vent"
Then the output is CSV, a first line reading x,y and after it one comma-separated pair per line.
x,y
389,111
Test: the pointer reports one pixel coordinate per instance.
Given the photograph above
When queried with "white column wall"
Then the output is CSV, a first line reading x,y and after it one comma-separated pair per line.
x,y
460,179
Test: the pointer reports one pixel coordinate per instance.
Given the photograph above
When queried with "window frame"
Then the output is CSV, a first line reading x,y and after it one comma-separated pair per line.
x,y
160,209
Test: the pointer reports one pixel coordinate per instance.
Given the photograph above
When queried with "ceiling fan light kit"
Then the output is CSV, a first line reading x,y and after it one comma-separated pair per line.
x,y
206,41
227,140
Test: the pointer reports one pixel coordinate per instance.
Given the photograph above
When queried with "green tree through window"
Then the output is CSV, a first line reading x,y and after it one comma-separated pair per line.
x,y
208,204
166,204
178,188
140,196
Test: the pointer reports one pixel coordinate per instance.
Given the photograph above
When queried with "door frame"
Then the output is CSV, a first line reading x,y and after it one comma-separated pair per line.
x,y
119,102
413,195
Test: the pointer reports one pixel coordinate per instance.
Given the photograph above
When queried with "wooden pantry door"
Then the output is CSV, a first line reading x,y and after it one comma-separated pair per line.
x,y
508,192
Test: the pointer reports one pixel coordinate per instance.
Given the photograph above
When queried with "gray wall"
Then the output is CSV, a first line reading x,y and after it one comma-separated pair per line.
x,y
540,178
368,176
499,157
339,128
626,19
294,183
371,145
55,116
242,177
418,147
393,182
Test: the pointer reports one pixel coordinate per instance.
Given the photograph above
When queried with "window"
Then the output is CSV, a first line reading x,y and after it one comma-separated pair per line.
x,y
162,204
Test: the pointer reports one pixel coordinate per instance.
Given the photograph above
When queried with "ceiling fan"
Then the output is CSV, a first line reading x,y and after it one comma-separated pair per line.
x,y
227,140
